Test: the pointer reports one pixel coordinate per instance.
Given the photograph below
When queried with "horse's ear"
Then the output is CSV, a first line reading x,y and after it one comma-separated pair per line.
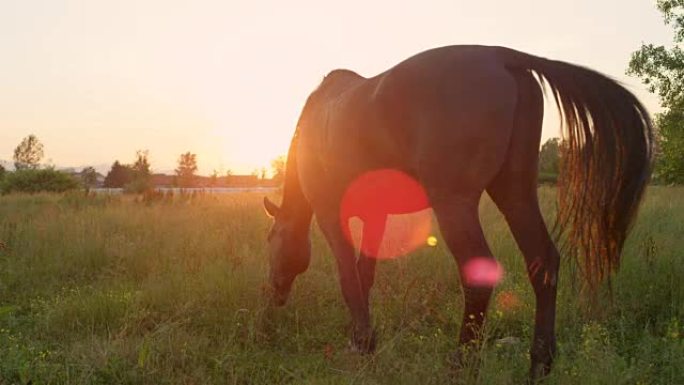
x,y
271,208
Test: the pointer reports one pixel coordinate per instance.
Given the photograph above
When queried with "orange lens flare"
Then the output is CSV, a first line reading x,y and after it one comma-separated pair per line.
x,y
385,214
507,301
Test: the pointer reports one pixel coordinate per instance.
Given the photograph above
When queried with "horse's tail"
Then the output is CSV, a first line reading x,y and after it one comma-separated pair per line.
x,y
606,152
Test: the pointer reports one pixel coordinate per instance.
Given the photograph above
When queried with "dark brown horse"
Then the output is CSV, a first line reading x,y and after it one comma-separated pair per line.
x,y
462,120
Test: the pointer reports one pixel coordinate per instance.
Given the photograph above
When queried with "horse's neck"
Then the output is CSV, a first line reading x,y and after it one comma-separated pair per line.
x,y
295,205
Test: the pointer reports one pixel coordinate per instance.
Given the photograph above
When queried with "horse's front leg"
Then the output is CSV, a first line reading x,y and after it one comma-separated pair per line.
x,y
354,289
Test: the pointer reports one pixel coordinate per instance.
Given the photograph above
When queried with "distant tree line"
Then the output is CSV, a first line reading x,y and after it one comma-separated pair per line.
x,y
29,177
135,178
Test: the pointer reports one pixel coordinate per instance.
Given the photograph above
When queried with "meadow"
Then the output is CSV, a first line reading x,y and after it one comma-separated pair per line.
x,y
121,290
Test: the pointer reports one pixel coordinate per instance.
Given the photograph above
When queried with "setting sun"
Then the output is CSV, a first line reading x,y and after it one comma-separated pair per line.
x,y
257,151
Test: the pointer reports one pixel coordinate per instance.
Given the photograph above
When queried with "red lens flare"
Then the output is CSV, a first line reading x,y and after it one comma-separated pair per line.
x,y
482,272
385,214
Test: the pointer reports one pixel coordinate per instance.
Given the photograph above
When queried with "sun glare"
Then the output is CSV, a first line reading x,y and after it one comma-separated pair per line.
x,y
256,151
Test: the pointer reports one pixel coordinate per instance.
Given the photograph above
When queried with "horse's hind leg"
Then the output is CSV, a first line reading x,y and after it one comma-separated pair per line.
x,y
541,257
514,190
460,226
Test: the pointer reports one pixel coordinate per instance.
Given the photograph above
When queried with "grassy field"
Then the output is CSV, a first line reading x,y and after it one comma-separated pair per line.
x,y
113,290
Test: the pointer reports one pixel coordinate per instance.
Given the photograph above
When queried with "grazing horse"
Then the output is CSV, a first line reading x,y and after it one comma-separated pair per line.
x,y
462,120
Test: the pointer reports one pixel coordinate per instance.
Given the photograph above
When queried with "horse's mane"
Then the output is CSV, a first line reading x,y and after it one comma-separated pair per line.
x,y
294,200
293,197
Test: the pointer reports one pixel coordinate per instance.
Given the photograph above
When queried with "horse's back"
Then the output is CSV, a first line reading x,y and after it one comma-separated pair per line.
x,y
455,107
444,116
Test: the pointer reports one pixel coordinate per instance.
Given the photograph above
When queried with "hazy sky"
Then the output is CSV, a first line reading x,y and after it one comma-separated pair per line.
x,y
97,80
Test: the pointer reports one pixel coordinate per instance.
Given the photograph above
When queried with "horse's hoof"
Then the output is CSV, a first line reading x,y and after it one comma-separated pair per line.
x,y
542,355
463,364
538,372
363,341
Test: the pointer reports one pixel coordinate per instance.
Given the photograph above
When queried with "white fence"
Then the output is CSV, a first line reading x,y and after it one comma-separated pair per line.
x,y
206,190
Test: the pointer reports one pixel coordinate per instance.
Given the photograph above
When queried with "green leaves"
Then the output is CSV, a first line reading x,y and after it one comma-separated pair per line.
x,y
662,70
669,166
28,153
37,180
549,157
673,14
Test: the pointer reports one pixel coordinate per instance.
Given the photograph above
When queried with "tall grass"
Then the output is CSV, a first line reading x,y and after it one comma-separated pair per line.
x,y
115,290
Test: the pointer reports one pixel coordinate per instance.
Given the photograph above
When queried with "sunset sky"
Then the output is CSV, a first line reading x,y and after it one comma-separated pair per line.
x,y
97,80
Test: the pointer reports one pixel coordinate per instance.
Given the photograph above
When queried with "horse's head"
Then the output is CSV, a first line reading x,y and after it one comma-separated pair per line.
x,y
290,249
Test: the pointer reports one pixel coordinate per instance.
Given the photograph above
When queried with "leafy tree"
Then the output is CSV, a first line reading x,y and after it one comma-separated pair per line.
x,y
669,164
278,169
28,153
2,172
213,179
549,157
142,175
662,70
141,166
187,166
37,180
88,178
118,176
549,161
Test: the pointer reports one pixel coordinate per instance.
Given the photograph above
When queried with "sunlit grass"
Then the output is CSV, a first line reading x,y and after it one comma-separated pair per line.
x,y
117,290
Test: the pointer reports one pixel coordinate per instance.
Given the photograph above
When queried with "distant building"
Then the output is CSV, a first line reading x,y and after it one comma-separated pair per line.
x,y
163,180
